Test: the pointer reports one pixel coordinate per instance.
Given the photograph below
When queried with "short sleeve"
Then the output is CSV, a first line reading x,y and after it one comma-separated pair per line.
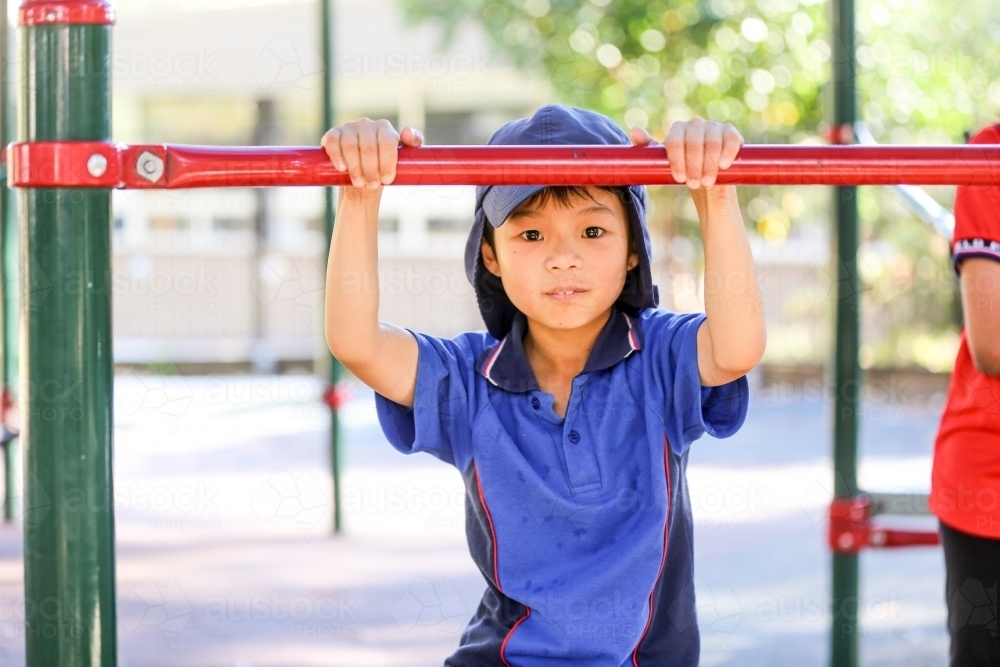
x,y
691,410
439,421
977,213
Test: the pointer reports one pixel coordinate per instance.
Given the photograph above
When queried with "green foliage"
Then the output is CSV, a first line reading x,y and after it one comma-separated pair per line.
x,y
927,72
759,65
650,63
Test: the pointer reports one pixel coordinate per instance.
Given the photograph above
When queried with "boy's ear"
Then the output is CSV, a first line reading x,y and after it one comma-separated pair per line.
x,y
633,261
490,258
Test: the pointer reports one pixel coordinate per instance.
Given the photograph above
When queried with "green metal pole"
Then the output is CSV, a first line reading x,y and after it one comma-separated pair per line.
x,y
847,371
66,383
326,22
8,277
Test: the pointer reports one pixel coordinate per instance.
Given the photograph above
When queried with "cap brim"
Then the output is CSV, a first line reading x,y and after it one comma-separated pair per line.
x,y
502,199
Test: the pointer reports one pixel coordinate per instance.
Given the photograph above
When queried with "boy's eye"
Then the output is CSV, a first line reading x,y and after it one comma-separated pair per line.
x,y
590,233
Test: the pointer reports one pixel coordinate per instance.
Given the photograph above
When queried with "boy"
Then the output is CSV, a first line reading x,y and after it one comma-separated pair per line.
x,y
571,418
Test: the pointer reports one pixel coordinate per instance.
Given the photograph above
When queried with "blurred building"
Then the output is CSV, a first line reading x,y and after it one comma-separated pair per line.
x,y
236,275
208,276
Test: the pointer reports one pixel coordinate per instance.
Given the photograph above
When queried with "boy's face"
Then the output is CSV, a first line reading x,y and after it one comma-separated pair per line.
x,y
582,249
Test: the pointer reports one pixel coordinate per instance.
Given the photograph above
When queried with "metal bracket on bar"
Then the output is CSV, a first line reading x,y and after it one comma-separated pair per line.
x,y
83,164
851,530
8,405
61,12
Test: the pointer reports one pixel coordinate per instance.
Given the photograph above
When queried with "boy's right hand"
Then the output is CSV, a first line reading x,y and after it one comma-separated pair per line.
x,y
368,150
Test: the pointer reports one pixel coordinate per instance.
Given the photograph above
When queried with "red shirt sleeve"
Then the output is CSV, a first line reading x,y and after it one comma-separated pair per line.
x,y
977,213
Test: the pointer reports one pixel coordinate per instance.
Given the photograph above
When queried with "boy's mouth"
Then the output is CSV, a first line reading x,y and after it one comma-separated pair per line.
x,y
566,293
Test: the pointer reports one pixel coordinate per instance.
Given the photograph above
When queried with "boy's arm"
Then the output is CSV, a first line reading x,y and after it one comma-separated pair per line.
x,y
381,355
732,339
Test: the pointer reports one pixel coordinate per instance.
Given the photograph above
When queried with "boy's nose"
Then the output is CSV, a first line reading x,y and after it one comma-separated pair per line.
x,y
565,255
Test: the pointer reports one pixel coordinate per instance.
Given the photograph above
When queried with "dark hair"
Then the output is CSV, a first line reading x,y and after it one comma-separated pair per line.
x,y
563,196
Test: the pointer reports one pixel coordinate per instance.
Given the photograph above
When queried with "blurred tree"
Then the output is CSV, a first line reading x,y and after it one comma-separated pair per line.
x,y
926,73
760,65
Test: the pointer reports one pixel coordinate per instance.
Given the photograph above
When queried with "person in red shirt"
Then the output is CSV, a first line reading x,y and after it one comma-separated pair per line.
x,y
965,482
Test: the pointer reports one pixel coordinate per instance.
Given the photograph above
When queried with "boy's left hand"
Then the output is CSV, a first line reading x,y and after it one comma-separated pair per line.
x,y
697,149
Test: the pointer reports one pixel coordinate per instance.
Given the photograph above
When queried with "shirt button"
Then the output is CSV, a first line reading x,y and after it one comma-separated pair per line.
x,y
574,437
534,403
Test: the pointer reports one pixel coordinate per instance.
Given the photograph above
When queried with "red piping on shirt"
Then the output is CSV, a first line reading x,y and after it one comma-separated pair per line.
x,y
503,647
633,341
489,519
496,570
488,366
663,559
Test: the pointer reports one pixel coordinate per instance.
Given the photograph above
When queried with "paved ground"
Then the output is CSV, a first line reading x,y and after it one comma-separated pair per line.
x,y
225,557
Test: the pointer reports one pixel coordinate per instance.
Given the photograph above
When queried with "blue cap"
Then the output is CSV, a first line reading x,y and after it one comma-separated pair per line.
x,y
552,124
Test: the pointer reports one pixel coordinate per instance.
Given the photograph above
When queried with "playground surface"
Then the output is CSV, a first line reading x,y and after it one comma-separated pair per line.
x,y
225,558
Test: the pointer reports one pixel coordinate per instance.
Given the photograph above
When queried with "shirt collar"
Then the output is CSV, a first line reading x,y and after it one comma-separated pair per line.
x,y
505,364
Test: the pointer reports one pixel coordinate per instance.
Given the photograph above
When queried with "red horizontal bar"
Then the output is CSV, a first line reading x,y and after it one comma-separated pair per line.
x,y
67,12
63,164
888,538
850,529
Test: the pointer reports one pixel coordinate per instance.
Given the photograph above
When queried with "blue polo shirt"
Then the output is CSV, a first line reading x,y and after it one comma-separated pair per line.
x,y
580,525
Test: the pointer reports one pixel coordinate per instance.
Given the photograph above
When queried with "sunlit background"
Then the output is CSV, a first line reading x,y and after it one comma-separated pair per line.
x,y
245,73
222,473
